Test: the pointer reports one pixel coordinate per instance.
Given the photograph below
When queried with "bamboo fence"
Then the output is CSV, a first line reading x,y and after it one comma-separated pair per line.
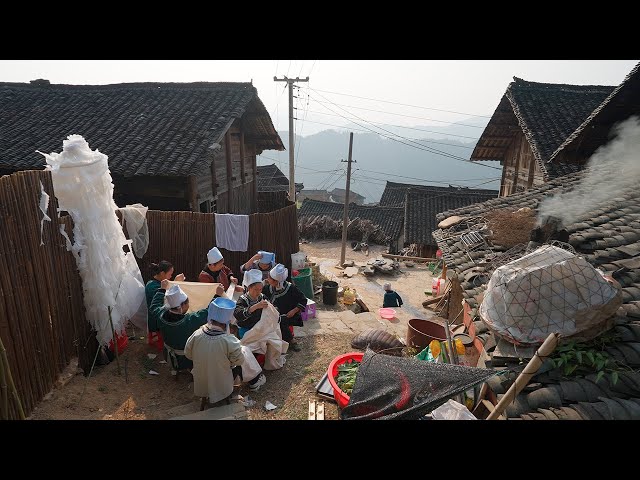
x,y
42,321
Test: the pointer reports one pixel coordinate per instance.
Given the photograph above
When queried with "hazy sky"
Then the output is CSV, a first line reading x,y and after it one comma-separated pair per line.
x,y
471,87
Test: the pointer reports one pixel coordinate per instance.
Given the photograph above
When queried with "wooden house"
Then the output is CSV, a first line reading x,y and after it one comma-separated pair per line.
x,y
531,121
171,146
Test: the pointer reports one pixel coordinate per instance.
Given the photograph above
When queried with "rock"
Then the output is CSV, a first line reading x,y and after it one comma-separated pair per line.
x,y
450,221
409,264
348,263
350,271
369,271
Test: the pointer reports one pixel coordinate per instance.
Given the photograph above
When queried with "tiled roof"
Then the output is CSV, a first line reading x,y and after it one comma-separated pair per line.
x,y
394,193
271,179
423,206
388,218
144,128
547,113
622,102
608,237
342,192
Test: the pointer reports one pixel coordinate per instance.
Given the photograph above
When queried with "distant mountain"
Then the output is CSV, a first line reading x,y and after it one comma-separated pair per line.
x,y
405,160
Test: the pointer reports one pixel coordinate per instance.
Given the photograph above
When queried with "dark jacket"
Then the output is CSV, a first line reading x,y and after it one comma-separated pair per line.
x,y
392,299
241,312
286,299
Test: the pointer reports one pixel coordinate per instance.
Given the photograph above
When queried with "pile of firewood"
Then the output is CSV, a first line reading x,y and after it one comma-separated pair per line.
x,y
322,226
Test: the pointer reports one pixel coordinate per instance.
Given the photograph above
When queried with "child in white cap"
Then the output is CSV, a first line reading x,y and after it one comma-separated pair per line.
x,y
391,298
262,261
289,301
217,355
250,304
215,271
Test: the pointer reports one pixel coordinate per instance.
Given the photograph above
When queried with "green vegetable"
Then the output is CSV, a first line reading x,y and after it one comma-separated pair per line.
x,y
346,375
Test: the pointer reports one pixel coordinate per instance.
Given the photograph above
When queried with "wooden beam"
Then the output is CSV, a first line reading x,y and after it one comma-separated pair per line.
x,y
214,183
242,159
192,194
413,259
227,151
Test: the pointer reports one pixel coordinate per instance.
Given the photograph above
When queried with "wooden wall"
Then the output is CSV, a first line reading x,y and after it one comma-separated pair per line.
x,y
520,170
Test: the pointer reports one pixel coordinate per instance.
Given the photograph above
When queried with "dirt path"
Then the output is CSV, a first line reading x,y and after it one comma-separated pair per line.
x,y
409,282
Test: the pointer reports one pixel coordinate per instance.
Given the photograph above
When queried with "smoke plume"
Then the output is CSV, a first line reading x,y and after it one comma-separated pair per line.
x,y
612,168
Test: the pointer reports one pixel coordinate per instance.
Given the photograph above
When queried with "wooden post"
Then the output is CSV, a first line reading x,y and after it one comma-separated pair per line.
x,y
192,192
345,216
227,152
242,160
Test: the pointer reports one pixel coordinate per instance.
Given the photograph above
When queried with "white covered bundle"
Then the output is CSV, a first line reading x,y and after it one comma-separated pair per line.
x,y
548,290
110,276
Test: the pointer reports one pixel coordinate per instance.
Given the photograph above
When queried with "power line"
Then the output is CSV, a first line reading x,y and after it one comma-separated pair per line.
x,y
389,125
405,104
362,130
428,149
402,114
444,182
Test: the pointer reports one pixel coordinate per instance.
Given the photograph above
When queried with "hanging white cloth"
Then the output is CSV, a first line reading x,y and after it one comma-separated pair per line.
x,y
135,220
265,338
232,232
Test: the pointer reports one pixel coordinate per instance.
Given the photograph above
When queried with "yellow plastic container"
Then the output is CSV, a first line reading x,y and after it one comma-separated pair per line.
x,y
349,296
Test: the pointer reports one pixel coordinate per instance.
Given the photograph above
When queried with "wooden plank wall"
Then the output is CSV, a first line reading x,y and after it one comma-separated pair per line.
x,y
42,317
184,238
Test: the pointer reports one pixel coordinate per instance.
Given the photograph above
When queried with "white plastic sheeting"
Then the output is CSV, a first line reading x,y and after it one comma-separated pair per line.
x,y
549,290
110,276
135,220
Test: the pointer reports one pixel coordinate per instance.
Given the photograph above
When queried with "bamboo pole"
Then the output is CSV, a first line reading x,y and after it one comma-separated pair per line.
x,y
546,349
14,392
413,259
115,340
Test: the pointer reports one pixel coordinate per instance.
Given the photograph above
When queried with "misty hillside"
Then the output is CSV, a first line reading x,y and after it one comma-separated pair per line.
x,y
379,159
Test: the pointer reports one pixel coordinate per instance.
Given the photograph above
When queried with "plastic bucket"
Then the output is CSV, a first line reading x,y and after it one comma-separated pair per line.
x,y
330,292
297,260
420,333
303,282
122,339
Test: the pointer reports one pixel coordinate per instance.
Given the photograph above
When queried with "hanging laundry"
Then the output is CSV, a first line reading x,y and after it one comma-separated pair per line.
x,y
232,232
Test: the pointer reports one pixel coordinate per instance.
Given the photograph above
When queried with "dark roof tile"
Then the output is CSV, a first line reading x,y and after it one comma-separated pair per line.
x,y
144,128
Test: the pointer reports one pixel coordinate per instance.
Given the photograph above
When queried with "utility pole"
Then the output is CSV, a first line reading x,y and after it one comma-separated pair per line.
x,y
345,217
290,82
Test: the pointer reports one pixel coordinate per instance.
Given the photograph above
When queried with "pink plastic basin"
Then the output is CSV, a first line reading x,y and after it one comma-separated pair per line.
x,y
387,313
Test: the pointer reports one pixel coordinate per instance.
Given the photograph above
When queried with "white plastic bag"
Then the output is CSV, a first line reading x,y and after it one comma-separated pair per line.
x,y
452,410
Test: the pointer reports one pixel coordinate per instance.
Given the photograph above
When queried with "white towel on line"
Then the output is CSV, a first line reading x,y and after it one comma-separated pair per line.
x,y
232,232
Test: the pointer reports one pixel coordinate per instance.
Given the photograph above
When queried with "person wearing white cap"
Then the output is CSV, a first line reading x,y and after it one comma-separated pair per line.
x,y
289,301
215,271
170,306
250,304
217,355
262,261
391,298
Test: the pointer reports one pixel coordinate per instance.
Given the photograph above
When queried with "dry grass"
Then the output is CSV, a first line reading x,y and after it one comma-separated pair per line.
x,y
291,387
107,396
509,227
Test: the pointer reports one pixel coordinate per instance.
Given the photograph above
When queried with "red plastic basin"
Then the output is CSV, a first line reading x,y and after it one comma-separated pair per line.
x,y
341,397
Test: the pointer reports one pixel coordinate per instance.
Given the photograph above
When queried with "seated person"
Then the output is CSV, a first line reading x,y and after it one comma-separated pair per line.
x,y
176,325
217,272
289,301
262,261
250,304
160,271
391,298
217,357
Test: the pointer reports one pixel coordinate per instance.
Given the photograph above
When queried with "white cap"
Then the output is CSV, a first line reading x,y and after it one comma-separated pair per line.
x,y
175,296
279,273
214,255
252,276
